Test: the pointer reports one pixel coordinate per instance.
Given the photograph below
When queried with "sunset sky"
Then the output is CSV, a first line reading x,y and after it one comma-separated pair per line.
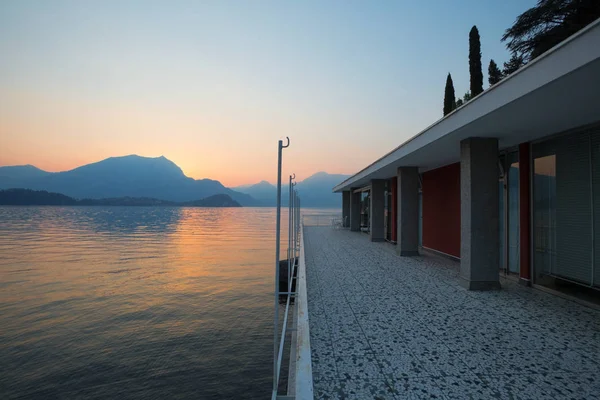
x,y
212,85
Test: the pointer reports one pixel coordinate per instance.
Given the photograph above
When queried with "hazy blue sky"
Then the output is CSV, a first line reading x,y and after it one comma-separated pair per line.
x,y
212,85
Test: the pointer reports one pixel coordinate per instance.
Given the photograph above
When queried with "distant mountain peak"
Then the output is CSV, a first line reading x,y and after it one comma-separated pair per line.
x,y
24,166
136,157
134,163
314,190
23,171
120,176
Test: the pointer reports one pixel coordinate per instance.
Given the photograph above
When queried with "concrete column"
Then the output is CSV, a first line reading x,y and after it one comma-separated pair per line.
x,y
376,210
479,236
346,208
407,230
354,211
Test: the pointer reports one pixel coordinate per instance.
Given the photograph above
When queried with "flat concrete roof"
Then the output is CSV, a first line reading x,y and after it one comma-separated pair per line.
x,y
558,91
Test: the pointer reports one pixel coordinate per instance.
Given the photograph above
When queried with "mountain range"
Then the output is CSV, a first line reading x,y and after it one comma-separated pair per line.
x,y
128,176
158,178
314,191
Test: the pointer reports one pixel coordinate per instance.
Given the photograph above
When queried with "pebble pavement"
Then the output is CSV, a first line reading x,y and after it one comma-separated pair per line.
x,y
389,327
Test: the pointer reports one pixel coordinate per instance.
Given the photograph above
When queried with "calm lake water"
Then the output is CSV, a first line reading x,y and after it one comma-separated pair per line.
x,y
136,302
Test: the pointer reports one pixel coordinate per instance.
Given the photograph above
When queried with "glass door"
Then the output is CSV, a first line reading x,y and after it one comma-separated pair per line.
x,y
508,213
420,218
502,214
365,225
387,222
544,218
512,200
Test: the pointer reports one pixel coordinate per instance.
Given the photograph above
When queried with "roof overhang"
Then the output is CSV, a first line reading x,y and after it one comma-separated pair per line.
x,y
558,91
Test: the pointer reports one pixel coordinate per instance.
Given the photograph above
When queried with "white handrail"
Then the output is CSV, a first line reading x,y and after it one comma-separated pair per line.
x,y
304,381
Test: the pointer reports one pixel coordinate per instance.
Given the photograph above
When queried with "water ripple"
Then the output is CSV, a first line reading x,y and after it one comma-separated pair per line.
x,y
136,302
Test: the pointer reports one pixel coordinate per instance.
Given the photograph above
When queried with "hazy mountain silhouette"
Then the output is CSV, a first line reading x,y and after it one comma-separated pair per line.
x,y
262,191
128,176
314,191
12,176
28,197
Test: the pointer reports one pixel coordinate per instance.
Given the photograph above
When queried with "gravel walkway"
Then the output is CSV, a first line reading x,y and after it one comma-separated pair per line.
x,y
386,327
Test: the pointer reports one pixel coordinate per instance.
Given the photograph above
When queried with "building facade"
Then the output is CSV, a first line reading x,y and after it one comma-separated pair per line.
x,y
508,183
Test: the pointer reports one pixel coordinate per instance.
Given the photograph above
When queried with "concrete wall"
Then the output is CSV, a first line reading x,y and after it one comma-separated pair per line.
x,y
441,209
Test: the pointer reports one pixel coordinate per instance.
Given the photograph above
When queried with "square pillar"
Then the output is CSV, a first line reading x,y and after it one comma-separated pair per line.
x,y
376,210
407,229
346,208
479,207
354,211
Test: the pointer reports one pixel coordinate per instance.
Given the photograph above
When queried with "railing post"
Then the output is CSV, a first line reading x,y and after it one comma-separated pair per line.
x,y
299,216
290,232
280,148
297,225
294,211
293,227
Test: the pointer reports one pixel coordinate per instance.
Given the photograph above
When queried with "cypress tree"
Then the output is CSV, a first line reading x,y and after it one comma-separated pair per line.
x,y
494,73
449,99
475,62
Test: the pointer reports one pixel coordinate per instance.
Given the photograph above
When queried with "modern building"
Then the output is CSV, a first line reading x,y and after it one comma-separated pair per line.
x,y
509,182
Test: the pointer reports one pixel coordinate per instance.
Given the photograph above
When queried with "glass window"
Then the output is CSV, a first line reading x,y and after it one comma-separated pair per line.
x,y
501,213
544,217
508,213
566,205
364,213
513,213
420,219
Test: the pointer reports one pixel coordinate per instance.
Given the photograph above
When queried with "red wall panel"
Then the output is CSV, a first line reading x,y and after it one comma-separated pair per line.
x,y
441,209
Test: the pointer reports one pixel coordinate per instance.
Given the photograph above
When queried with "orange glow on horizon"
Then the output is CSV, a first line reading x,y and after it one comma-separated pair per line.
x,y
59,134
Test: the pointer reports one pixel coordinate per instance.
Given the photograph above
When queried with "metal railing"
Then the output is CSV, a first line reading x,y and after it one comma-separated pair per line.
x,y
333,219
299,384
293,249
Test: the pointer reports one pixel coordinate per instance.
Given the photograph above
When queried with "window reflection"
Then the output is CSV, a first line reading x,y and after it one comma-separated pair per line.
x,y
544,216
513,215
364,211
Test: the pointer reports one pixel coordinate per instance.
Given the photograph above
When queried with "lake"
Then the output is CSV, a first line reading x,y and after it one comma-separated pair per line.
x,y
136,302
